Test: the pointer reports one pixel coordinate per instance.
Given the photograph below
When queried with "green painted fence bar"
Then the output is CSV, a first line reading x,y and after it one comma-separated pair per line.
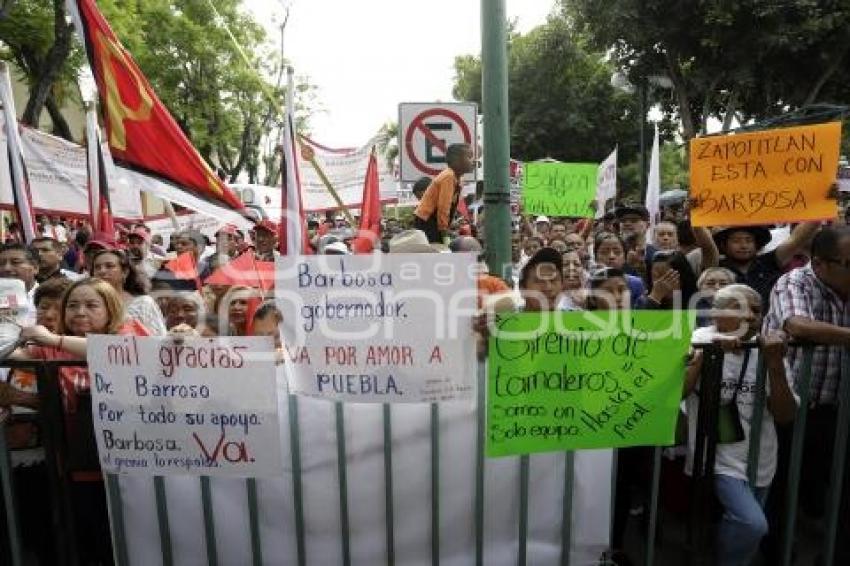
x,y
12,527
522,552
342,469
388,483
297,486
116,520
803,390
759,401
435,484
479,467
567,508
162,520
254,522
209,521
839,457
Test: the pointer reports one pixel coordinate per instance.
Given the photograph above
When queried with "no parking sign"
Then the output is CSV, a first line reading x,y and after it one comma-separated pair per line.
x,y
425,132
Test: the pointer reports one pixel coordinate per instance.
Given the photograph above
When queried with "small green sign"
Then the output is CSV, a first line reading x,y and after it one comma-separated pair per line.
x,y
559,189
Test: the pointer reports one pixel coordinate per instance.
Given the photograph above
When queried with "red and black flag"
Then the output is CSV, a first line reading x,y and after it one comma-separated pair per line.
x,y
140,131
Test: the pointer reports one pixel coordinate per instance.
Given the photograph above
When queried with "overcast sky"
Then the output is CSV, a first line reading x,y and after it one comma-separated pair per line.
x,y
366,57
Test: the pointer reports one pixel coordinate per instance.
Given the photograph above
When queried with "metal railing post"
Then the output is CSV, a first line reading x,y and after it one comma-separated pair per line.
x,y
12,528
839,459
797,445
53,439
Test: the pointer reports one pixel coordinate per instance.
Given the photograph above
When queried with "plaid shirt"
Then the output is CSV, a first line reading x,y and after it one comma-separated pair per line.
x,y
801,293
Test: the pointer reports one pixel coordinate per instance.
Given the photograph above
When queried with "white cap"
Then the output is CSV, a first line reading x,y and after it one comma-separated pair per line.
x,y
541,219
338,248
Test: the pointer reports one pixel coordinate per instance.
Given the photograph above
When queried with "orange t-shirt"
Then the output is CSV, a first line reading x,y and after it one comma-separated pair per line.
x,y
439,198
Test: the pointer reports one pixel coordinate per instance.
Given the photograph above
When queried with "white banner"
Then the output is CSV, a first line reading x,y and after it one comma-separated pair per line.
x,y
380,328
366,500
606,183
58,178
197,407
346,171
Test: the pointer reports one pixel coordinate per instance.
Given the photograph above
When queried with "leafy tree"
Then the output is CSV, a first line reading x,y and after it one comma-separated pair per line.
x,y
561,101
228,107
741,59
36,38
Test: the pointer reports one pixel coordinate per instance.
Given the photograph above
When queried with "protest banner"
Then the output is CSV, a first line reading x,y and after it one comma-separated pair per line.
x,y
393,328
59,180
769,177
566,381
197,407
559,189
346,171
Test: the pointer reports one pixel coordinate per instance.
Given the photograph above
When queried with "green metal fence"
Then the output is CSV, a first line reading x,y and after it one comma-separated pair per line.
x,y
700,514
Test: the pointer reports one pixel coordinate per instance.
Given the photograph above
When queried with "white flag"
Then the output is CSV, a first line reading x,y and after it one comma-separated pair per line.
x,y
653,182
606,183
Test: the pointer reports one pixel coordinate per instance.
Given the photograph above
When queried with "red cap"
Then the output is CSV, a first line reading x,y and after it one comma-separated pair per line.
x,y
141,233
101,244
266,225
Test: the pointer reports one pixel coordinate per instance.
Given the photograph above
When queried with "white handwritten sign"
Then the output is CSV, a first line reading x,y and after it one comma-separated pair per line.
x,y
200,407
393,328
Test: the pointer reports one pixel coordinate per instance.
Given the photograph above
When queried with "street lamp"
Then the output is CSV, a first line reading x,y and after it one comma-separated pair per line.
x,y
620,81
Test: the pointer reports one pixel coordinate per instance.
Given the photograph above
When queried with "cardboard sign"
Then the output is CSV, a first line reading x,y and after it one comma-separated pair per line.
x,y
200,407
393,328
565,381
559,189
769,177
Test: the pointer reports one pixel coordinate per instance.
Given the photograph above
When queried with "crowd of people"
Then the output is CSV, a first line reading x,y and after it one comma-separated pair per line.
x,y
778,288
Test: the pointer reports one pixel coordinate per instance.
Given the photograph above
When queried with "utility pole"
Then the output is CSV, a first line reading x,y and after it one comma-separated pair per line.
x,y
497,192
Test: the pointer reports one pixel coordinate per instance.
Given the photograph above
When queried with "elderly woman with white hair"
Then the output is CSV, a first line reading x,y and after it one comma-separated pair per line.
x,y
736,317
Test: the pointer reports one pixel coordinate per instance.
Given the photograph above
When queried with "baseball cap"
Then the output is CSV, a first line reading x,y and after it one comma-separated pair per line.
x,y
267,225
141,233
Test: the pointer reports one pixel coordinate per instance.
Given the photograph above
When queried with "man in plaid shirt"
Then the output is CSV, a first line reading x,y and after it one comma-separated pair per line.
x,y
812,304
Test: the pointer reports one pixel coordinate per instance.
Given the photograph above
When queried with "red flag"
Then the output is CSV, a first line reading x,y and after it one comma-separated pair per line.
x,y
463,209
370,210
185,267
140,131
245,270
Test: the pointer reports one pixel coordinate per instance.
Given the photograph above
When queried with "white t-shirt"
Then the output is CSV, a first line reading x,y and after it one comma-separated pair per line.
x,y
731,459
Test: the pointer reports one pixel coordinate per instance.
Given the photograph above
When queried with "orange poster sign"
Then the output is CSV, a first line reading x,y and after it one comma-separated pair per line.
x,y
768,177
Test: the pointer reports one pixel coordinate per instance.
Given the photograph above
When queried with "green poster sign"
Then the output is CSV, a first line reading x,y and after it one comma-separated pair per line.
x,y
571,380
559,189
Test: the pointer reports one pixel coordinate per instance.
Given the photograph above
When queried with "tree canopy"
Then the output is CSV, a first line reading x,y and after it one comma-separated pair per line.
x,y
182,46
728,60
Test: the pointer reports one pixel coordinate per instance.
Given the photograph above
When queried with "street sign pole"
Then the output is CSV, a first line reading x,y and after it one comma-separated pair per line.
x,y
497,195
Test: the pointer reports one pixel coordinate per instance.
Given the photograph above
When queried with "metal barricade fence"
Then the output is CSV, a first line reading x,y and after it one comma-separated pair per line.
x,y
56,451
